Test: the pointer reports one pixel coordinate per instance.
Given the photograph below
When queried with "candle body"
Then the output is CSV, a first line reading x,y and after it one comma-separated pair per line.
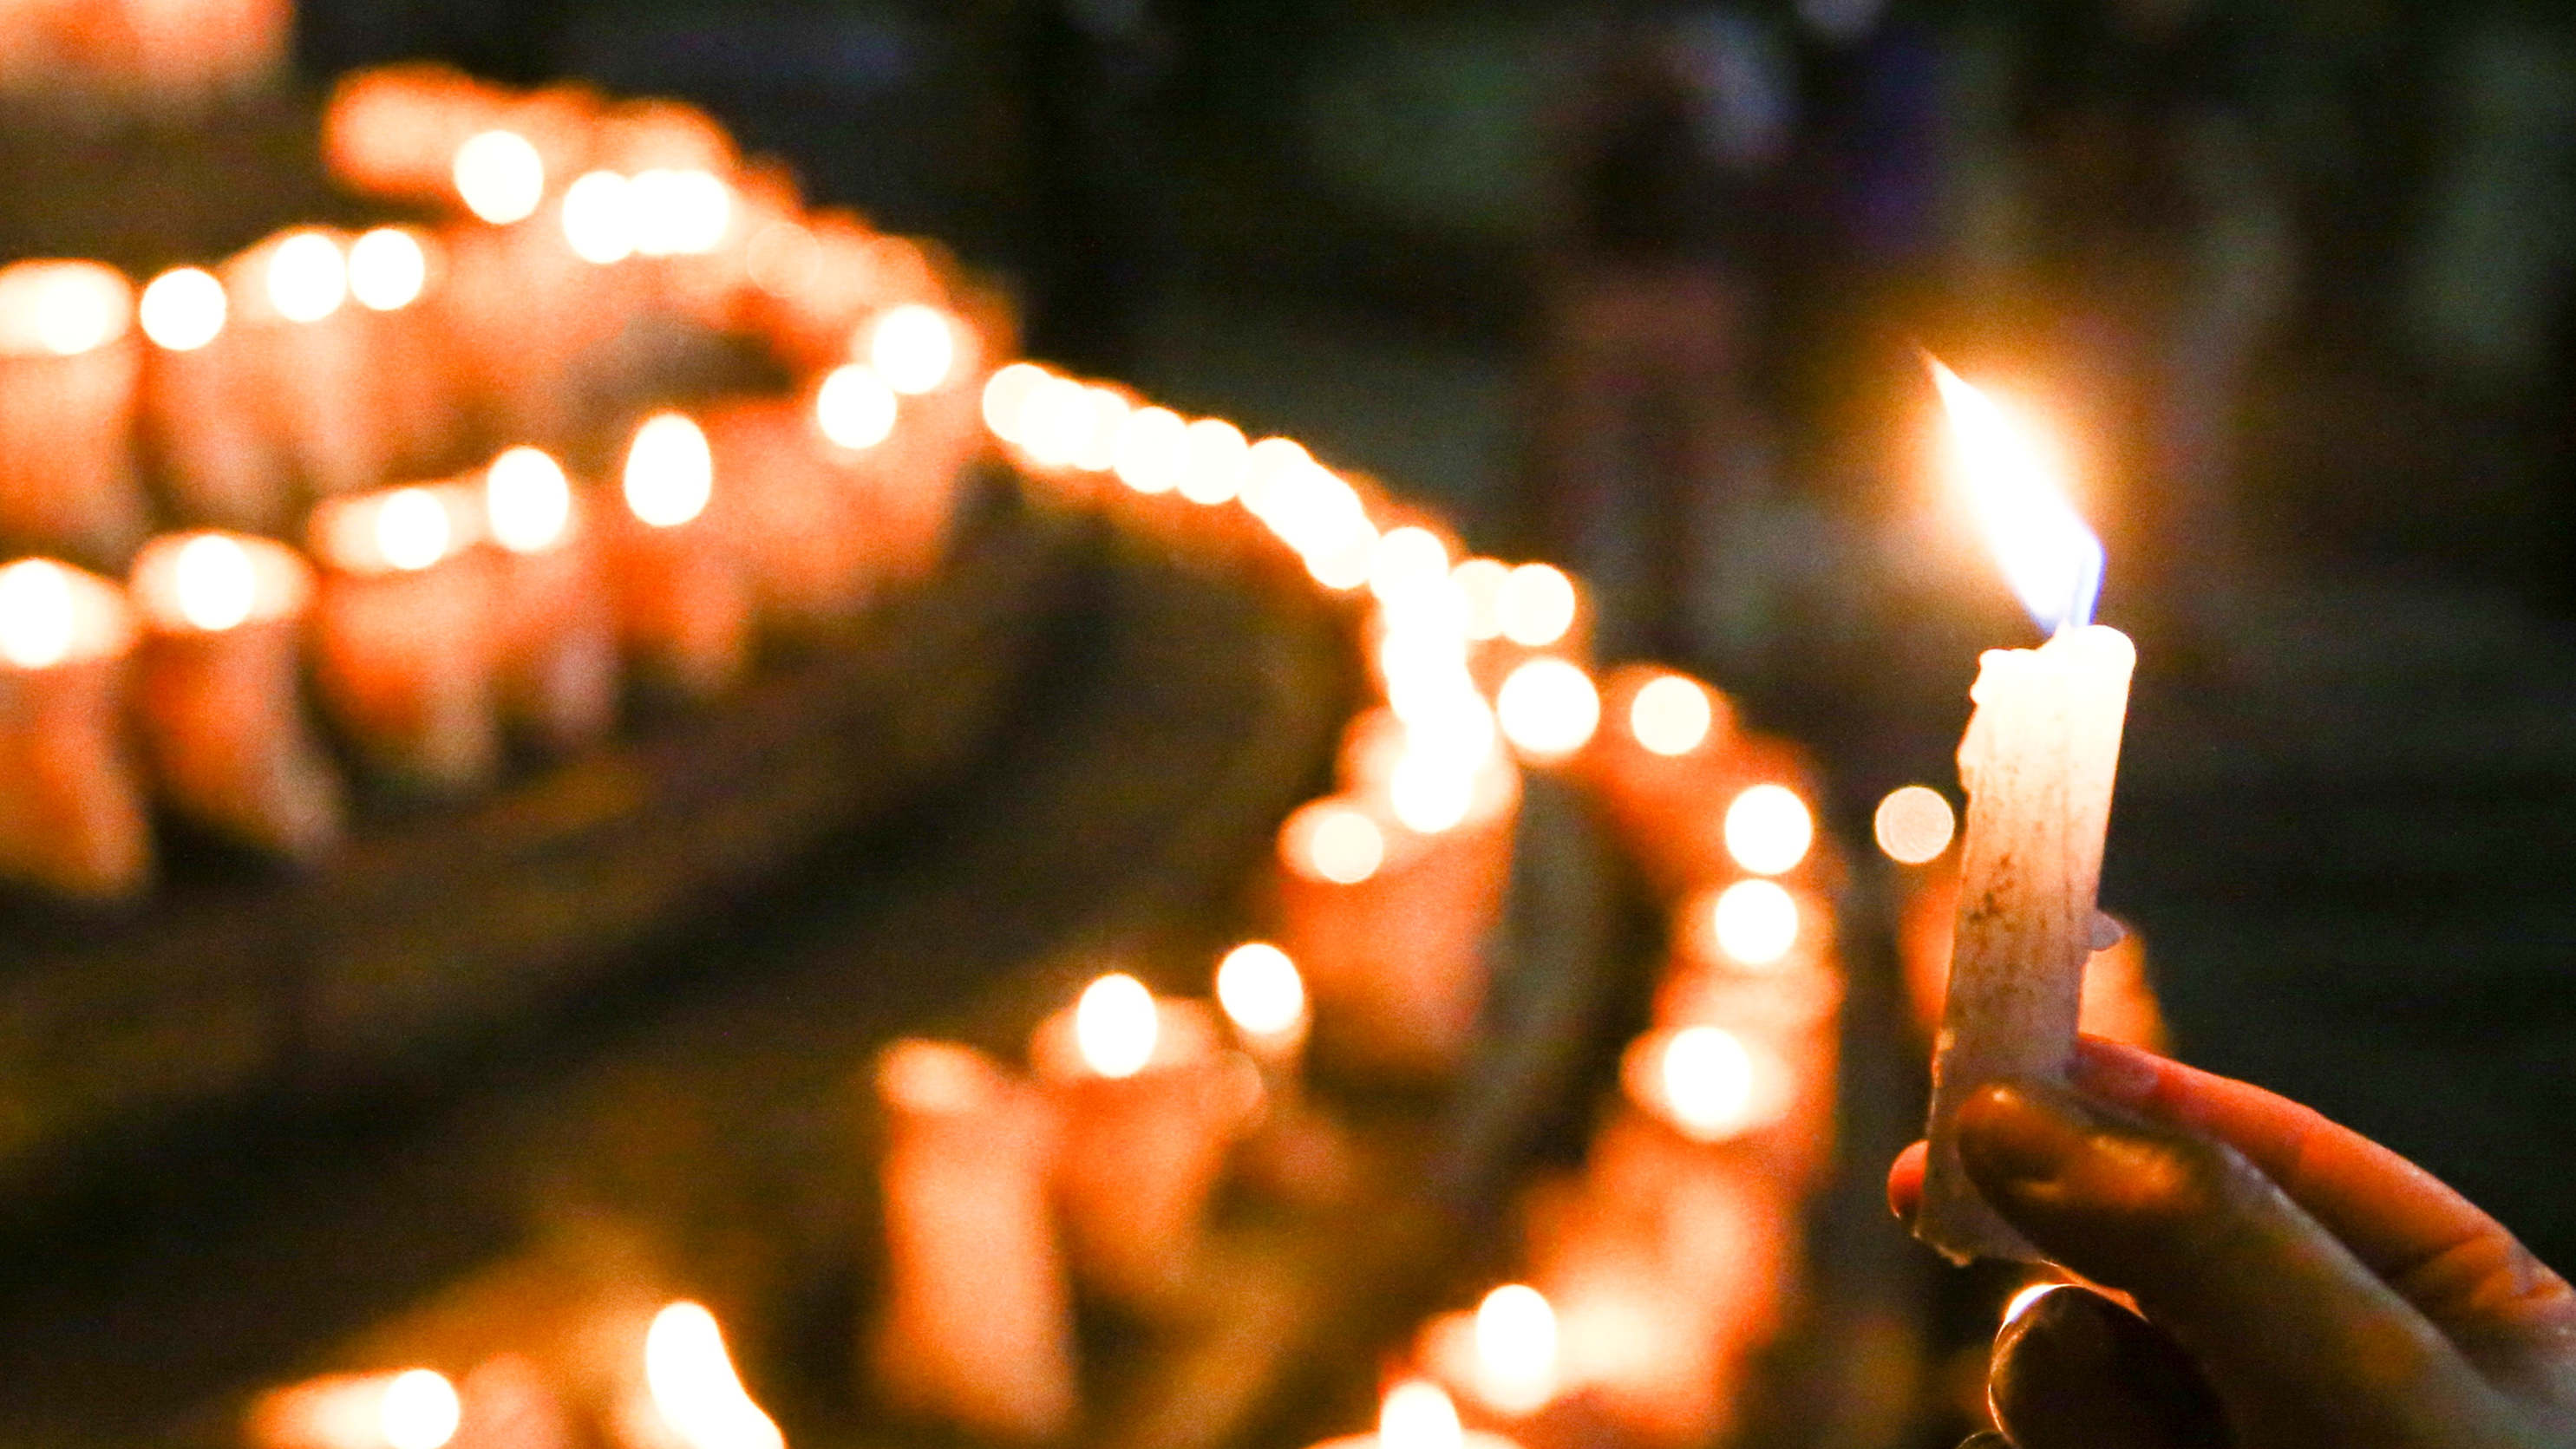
x,y
72,815
405,666
804,546
223,723
67,477
201,425
2038,762
314,378
684,604
557,645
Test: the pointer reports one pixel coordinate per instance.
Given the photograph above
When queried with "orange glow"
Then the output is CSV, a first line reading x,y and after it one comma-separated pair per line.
x,y
410,1409
1216,462
1536,605
183,309
1260,991
214,581
396,529
1914,824
307,277
1671,716
1769,829
420,1410
599,218
682,212
62,309
2026,1300
1115,1026
1408,565
387,269
37,617
1056,423
1516,1369
670,471
1007,396
500,177
783,259
1332,841
1756,923
527,501
1153,450
1417,1414
412,529
2013,483
934,1076
1709,1084
854,407
1480,583
1548,709
694,1386
915,346
1105,422
1430,793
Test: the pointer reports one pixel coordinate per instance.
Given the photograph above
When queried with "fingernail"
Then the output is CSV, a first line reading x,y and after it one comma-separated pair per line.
x,y
2120,1073
2016,1137
1985,1441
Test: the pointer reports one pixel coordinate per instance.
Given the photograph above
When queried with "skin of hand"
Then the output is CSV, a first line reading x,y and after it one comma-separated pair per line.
x,y
2297,1285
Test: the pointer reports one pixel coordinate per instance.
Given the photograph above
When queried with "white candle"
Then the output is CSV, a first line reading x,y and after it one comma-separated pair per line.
x,y
72,817
69,365
2037,762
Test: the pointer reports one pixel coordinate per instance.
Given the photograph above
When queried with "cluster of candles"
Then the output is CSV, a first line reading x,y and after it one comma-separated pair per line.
x,y
128,55
438,466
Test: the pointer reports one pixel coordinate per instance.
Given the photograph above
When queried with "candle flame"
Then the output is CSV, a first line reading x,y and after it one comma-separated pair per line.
x,y
1153,450
387,269
1007,394
215,583
1331,841
599,218
36,613
694,1385
500,177
855,408
1115,1026
670,471
1216,462
1516,1369
307,277
1769,829
915,346
1260,990
1417,1414
1707,1077
678,212
527,500
420,1410
405,1409
1671,715
62,309
1536,605
183,309
2052,561
412,529
1548,708
1756,923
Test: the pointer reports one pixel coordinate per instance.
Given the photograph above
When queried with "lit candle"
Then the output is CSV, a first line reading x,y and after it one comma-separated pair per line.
x,y
2037,761
404,1409
1503,1356
696,1395
556,641
803,547
306,342
1419,1414
684,606
1299,1154
69,365
894,510
1151,1105
977,1323
72,814
200,419
408,376
219,690
403,633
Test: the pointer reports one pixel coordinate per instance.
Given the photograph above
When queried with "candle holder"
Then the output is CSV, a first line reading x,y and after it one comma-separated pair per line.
x,y
69,368
556,644
200,418
684,602
72,815
403,634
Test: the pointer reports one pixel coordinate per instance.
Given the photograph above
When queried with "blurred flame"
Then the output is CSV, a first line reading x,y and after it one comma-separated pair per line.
x,y
783,258
1105,422
1268,466
1055,423
1153,450
1409,564
412,529
1516,1369
1536,605
62,308
1260,990
1914,824
599,218
1334,842
915,346
694,1385
1769,829
1429,793
1706,1074
420,1410
1548,709
1216,462
678,212
2013,487
1417,1414
183,309
1115,1025
1671,715
308,278
670,471
527,500
1007,394
854,407
387,269
215,583
36,613
1756,923
500,177
1480,583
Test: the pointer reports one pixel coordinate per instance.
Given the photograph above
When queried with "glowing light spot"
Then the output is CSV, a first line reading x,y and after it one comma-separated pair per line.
x,y
412,529
915,347
1707,1077
1416,1414
1273,469
1481,582
670,471
1104,424
783,259
1535,605
387,269
933,1076
308,278
1007,394
216,585
420,1410
1260,990
1115,1026
36,613
1430,794
1914,824
1409,564
500,177
854,407
2012,481
1548,709
1337,843
1056,424
1343,564
527,500
1216,462
599,218
1769,829
1516,1367
1153,450
1671,715
694,1386
2027,1299
62,309
183,309
1756,923
678,213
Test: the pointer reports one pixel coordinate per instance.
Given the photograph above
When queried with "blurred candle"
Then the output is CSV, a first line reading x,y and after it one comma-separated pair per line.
x,y
684,605
1418,1414
1151,1104
696,1391
798,528
72,813
1548,709
403,638
69,367
556,641
200,420
500,176
403,1409
219,690
976,1327
308,352
2038,761
408,374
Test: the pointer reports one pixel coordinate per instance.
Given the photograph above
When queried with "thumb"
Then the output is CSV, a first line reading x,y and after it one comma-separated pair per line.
x,y
2302,1342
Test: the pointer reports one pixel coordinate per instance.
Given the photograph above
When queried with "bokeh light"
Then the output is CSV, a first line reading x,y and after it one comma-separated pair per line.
x,y
1914,824
1769,830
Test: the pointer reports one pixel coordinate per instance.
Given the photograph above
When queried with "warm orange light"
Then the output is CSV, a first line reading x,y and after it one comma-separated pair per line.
x,y
670,471
1480,584
412,529
599,218
1769,829
854,407
1409,565
1417,1414
214,581
1153,450
694,1386
783,259
37,614
410,1409
1216,462
1260,990
915,346
500,177
1105,423
62,309
1548,709
388,268
1671,715
420,1410
1115,1026
1056,423
1536,605
307,277
1756,923
678,212
1914,824
933,1076
1516,1369
183,309
2027,1299
1007,395
1272,469
1430,793
1707,1078
1330,841
2015,490
527,500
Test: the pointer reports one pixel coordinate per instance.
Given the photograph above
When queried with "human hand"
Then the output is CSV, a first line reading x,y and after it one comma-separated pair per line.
x,y
2302,1287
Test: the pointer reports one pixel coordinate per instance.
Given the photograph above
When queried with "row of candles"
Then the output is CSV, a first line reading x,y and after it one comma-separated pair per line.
x,y
146,55
445,617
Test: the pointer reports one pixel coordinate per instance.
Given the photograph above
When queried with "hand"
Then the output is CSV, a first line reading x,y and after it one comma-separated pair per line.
x,y
2301,1286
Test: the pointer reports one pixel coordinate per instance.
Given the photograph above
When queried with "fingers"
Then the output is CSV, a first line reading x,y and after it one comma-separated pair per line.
x,y
2077,1371
2303,1341
1905,1182
2458,1266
